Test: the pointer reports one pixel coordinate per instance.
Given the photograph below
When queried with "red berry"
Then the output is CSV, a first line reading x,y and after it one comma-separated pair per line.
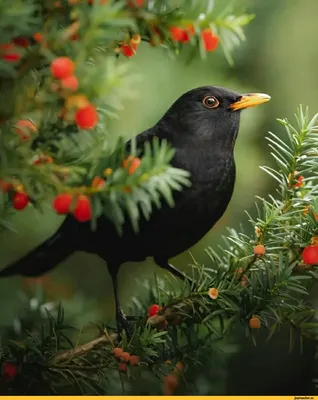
x,y
153,310
128,50
62,203
38,37
300,182
24,126
122,367
135,3
11,57
210,40
310,254
6,46
70,83
20,200
21,41
6,186
179,34
86,117
62,67
9,370
83,210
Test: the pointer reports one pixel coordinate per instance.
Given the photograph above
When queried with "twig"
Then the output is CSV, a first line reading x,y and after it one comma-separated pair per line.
x,y
83,348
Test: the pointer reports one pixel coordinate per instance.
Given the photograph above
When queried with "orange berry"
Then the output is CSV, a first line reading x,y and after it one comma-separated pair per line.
x,y
70,83
255,322
314,240
76,101
134,166
87,117
136,39
6,186
134,360
83,210
122,367
62,203
127,161
20,200
190,29
213,293
259,250
179,367
38,37
211,41
170,383
98,182
43,160
124,357
300,182
117,351
24,127
62,67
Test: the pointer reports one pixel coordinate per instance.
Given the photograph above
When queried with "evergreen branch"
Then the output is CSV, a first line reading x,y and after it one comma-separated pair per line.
x,y
66,356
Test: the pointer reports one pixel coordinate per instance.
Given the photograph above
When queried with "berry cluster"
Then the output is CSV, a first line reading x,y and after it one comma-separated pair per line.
x,y
129,47
62,69
125,358
183,35
80,206
16,191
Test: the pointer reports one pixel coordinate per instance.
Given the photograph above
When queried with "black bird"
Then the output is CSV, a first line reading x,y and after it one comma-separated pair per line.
x,y
202,126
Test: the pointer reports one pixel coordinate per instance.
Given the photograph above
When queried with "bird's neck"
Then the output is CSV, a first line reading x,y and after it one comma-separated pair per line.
x,y
197,137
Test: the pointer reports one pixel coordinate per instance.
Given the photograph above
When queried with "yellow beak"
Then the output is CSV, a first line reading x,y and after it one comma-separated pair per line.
x,y
250,100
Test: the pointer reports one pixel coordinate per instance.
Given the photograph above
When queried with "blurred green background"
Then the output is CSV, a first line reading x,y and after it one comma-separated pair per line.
x,y
278,58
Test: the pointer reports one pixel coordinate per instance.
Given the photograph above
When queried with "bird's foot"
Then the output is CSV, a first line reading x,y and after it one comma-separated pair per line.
x,y
123,324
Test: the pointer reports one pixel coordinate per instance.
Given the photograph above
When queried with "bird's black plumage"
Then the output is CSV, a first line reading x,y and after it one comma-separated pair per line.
x,y
202,126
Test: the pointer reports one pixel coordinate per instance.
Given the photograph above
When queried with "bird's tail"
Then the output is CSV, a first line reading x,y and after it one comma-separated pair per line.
x,y
43,258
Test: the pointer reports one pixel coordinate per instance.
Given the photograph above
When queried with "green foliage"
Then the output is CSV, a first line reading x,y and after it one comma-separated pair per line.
x,y
195,322
27,93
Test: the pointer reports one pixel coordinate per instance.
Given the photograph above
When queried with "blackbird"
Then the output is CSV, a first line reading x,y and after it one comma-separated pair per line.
x,y
202,126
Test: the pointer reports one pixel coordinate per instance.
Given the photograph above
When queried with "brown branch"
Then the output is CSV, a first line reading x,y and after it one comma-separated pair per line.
x,y
83,348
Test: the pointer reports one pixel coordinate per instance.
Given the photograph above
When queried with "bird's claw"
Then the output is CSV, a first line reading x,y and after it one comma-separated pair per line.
x,y
123,324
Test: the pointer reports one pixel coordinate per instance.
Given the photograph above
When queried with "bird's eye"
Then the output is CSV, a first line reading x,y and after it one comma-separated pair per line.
x,y
210,102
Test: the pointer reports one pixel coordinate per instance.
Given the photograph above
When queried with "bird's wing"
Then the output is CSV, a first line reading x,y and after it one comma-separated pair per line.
x,y
141,139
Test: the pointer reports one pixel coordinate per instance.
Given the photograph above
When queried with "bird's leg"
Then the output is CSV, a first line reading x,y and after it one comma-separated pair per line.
x,y
173,270
121,319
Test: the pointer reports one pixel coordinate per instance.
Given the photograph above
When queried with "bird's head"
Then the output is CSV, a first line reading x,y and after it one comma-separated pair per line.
x,y
209,114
